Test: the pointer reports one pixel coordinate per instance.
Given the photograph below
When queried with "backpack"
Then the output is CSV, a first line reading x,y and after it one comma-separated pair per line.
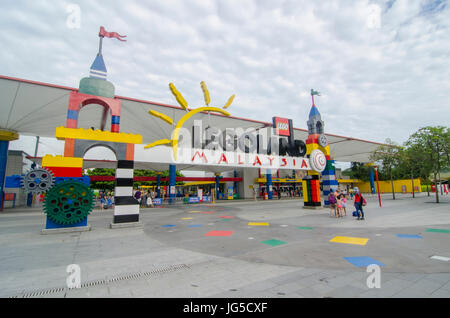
x,y
332,198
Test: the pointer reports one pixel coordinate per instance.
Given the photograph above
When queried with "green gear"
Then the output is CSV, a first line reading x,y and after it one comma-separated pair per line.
x,y
68,202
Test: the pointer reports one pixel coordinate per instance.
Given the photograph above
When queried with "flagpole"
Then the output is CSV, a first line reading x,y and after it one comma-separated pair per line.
x,y
100,45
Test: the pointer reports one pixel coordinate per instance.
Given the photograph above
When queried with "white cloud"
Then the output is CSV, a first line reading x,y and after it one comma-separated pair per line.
x,y
375,82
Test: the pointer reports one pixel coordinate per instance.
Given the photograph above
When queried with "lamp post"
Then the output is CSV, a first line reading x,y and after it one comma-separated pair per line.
x,y
378,185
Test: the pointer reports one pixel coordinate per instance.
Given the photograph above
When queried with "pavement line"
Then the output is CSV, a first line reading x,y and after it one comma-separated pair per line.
x,y
441,258
350,240
413,236
438,230
258,224
274,242
219,233
362,261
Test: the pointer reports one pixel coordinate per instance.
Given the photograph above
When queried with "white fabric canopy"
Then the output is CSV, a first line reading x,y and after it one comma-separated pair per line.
x,y
34,108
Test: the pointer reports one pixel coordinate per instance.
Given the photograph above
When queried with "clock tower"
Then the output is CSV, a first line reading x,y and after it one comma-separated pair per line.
x,y
318,152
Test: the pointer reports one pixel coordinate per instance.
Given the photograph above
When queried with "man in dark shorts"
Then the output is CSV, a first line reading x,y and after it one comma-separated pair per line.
x,y
359,202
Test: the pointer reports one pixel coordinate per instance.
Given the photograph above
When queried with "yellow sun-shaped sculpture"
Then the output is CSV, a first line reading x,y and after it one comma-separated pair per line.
x,y
174,141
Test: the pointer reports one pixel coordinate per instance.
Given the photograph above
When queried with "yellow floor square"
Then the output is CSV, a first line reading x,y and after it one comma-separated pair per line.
x,y
186,218
350,240
258,224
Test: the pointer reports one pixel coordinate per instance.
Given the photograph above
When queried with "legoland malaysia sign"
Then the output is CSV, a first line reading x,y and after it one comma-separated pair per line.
x,y
237,147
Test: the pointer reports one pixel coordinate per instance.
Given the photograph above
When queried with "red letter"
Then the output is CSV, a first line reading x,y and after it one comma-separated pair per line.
x,y
270,159
304,164
223,158
201,156
239,160
284,162
257,161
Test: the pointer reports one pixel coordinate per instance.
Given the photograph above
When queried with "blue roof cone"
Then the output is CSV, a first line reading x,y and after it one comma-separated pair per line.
x,y
98,68
314,111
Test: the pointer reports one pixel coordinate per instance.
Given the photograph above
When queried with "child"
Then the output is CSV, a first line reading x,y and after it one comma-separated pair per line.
x,y
338,203
102,202
109,202
344,203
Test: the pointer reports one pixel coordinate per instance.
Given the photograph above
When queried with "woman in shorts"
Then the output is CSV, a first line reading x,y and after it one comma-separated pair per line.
x,y
332,201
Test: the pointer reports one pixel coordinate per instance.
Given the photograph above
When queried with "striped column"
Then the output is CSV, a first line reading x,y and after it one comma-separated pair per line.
x,y
172,182
328,181
126,207
372,180
269,184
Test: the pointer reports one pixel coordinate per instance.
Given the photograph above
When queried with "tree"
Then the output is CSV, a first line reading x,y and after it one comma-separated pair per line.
x,y
388,156
357,170
109,185
433,144
102,185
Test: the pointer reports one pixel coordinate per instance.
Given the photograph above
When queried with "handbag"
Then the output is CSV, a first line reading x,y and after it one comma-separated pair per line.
x,y
355,213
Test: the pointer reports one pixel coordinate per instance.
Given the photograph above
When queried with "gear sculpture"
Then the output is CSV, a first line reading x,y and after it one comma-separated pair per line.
x,y
38,180
68,202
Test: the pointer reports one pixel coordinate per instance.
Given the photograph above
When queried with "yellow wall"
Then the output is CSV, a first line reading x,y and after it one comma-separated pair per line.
x,y
385,186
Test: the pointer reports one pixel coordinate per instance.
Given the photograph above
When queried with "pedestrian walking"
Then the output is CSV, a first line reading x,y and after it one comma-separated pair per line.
x,y
359,203
150,199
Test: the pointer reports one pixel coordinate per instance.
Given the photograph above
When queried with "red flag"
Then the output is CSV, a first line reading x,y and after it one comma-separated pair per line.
x,y
116,35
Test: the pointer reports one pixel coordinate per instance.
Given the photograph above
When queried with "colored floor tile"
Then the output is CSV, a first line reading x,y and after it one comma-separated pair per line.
x,y
195,211
195,225
168,225
227,217
207,212
258,224
438,230
274,242
415,236
362,261
219,233
350,240
225,220
186,218
304,228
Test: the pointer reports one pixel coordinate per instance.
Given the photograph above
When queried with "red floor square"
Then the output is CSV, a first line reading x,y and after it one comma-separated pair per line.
x,y
227,217
207,212
219,233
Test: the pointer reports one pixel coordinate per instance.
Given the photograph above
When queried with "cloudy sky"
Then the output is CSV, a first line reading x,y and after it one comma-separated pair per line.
x,y
382,67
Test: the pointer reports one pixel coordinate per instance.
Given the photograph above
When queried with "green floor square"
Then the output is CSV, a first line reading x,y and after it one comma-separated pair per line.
x,y
274,242
438,230
304,228
224,220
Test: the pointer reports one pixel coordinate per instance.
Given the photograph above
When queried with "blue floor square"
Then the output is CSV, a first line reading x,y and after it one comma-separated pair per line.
x,y
409,236
362,261
168,225
195,225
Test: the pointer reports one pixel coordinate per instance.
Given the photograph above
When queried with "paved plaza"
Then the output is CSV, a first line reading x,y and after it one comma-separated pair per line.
x,y
235,249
